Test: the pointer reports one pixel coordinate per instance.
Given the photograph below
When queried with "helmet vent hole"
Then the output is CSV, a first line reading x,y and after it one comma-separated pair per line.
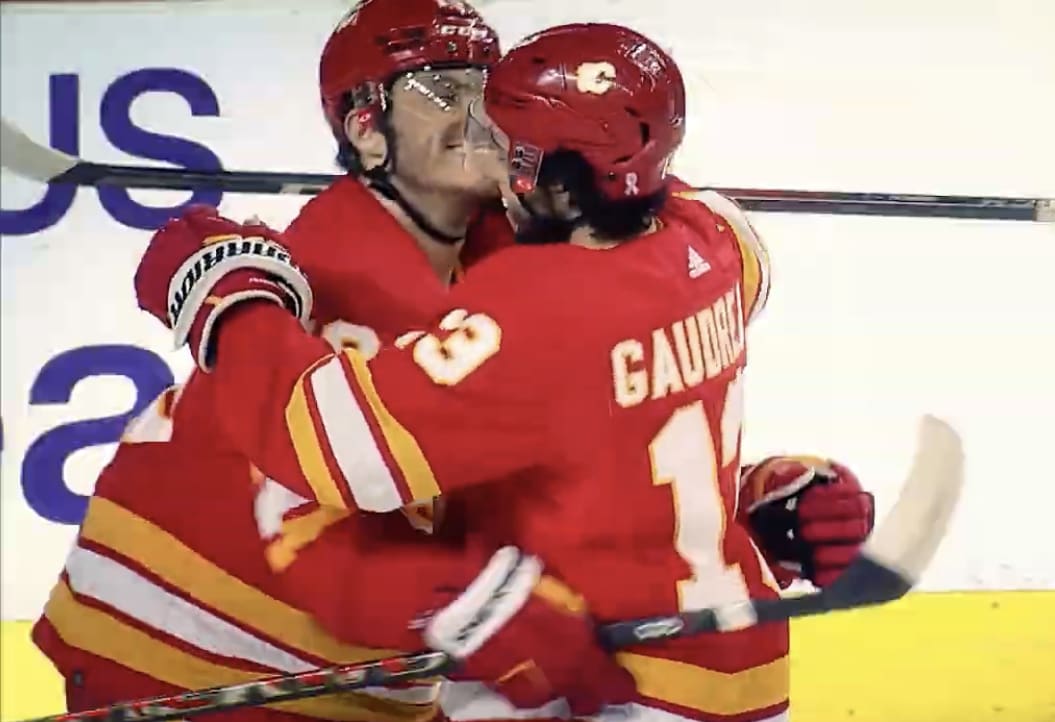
x,y
646,133
538,60
403,39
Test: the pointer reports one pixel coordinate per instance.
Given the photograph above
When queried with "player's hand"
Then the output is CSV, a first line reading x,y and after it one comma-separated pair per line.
x,y
199,265
810,516
528,637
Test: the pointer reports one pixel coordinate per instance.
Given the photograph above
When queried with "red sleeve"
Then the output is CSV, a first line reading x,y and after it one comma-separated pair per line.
x,y
366,577
262,351
463,403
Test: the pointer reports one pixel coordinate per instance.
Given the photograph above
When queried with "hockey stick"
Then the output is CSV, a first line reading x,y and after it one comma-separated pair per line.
x,y
890,564
28,159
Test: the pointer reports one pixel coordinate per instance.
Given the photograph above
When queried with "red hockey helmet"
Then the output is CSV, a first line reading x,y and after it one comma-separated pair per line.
x,y
380,39
605,91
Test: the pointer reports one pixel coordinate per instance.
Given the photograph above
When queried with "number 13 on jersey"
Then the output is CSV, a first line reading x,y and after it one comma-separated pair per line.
x,y
686,456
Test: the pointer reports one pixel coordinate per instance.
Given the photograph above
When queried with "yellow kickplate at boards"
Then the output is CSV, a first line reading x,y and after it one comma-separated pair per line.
x,y
29,686
938,657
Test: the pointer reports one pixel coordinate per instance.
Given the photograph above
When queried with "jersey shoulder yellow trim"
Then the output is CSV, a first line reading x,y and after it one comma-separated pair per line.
x,y
754,256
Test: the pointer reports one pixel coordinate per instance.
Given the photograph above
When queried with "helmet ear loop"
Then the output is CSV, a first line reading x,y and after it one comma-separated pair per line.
x,y
373,116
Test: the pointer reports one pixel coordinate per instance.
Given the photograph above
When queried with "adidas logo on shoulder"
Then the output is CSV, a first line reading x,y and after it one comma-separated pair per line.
x,y
697,264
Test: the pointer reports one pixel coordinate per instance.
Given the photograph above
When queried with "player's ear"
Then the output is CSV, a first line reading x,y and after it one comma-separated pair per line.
x,y
360,127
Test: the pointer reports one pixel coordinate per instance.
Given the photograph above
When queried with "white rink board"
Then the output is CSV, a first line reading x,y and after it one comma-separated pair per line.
x,y
871,322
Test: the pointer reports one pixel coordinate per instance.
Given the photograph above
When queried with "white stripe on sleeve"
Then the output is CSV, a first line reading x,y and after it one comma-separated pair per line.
x,y
354,448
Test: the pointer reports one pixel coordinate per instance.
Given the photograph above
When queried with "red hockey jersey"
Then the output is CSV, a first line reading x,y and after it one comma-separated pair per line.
x,y
168,577
582,404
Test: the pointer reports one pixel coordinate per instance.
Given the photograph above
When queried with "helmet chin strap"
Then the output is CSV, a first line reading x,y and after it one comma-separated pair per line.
x,y
378,179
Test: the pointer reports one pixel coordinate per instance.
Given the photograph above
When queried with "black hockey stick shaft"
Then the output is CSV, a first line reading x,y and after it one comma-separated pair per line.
x,y
777,201
29,159
262,182
865,583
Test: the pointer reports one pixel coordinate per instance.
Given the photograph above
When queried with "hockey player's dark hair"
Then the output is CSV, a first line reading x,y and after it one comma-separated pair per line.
x,y
615,221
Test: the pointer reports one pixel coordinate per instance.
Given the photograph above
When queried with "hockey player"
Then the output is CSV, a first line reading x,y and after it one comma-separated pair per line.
x,y
167,588
580,397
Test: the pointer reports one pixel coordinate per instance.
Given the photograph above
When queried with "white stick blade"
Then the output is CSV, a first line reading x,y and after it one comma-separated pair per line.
x,y
1046,211
24,157
915,526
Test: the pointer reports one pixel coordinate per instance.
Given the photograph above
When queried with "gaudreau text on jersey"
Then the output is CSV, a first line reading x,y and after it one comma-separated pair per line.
x,y
681,355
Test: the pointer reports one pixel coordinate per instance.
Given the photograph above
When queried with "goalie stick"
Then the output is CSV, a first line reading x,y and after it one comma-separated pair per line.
x,y
889,565
26,158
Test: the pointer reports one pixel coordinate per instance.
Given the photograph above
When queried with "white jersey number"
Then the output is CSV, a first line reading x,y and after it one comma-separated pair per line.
x,y
472,340
685,455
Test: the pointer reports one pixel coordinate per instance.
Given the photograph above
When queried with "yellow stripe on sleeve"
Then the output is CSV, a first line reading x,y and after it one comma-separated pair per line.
x,y
752,277
308,446
401,443
298,533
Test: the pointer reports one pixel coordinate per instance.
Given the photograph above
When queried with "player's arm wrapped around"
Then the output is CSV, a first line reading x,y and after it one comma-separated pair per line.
x,y
808,515
200,265
448,407
199,272
370,579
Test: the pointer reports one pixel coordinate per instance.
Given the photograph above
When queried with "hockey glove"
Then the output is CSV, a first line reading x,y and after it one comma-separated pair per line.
x,y
809,516
528,637
199,265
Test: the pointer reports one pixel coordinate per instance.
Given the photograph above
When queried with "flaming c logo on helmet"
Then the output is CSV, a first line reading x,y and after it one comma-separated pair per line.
x,y
597,78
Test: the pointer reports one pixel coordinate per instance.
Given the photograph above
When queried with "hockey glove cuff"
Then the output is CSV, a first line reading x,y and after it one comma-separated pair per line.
x,y
200,265
528,637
